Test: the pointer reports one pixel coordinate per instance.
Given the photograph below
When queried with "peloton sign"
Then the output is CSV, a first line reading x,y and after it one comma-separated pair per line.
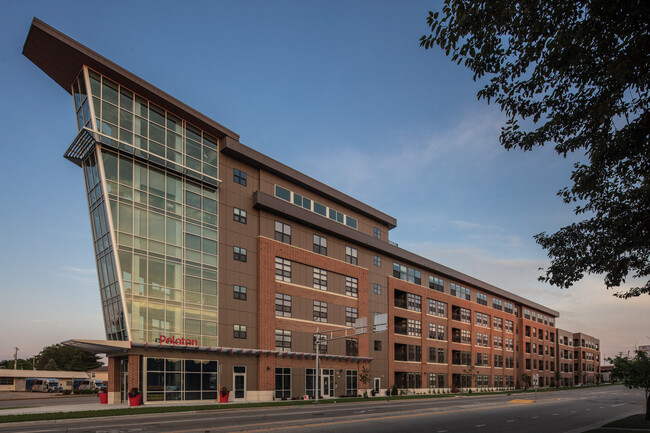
x,y
163,339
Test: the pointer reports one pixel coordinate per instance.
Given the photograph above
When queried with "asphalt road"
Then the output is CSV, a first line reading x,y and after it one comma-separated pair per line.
x,y
554,412
28,399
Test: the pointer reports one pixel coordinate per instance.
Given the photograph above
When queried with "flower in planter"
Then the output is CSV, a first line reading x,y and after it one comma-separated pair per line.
x,y
134,392
224,391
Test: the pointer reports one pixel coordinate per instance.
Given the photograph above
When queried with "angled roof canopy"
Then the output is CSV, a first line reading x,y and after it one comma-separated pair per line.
x,y
61,58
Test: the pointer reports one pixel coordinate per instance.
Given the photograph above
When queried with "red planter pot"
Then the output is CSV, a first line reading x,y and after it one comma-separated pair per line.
x,y
223,398
135,401
103,397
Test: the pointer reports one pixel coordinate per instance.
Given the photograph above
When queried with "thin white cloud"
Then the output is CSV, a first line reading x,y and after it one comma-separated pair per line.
x,y
80,271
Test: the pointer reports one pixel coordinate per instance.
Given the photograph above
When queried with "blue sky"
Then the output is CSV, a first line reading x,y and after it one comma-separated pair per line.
x,y
311,84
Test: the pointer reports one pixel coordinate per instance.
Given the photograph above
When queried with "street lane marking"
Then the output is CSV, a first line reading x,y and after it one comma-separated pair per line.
x,y
510,420
518,400
555,414
573,411
534,417
587,409
443,431
480,425
620,404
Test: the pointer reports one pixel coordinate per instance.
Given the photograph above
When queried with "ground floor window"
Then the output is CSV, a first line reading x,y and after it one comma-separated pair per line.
x,y
181,379
482,380
282,382
351,382
326,382
6,380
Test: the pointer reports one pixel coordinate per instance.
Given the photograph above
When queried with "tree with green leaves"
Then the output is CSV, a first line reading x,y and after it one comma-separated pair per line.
x,y
572,74
634,372
66,358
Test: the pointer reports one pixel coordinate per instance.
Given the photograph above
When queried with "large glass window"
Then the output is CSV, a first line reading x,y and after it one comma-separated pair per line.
x,y
282,383
178,379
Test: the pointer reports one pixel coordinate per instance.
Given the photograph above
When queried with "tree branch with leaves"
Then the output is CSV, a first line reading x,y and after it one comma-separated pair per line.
x,y
574,75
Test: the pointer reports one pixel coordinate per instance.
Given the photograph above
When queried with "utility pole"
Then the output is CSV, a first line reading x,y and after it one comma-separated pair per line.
x,y
16,358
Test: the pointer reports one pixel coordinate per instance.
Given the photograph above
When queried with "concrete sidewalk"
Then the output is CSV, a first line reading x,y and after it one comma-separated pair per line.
x,y
97,406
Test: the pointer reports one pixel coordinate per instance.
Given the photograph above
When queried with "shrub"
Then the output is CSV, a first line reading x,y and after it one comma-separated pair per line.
x,y
395,390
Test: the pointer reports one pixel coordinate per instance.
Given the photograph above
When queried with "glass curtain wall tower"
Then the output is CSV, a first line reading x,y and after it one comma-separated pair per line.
x,y
152,185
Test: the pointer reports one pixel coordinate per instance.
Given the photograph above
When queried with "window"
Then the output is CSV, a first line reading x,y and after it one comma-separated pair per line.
x,y
414,328
498,323
376,232
239,215
414,302
6,380
407,274
282,305
498,342
320,311
498,361
483,359
510,362
482,319
376,289
351,315
508,307
526,314
351,382
437,332
282,340
461,358
320,279
497,304
351,286
351,347
282,232
239,254
461,314
282,383
320,245
482,339
376,260
460,292
239,176
239,292
436,283
509,344
282,269
481,298
351,255
509,326
239,331
378,345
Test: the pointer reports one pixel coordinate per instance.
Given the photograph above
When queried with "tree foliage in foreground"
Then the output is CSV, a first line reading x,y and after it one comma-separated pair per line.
x,y
575,75
634,373
62,357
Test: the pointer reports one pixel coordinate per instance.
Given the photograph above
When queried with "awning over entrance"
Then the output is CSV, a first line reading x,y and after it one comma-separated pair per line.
x,y
99,346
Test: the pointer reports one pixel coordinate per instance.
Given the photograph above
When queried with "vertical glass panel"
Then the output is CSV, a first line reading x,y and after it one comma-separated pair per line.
x,y
174,231
109,91
109,113
140,222
156,226
140,176
95,84
141,107
110,165
156,272
126,171
174,189
126,99
126,120
157,114
126,264
126,218
174,273
157,182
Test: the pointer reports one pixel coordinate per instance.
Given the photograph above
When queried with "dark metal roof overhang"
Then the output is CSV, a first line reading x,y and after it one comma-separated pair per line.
x,y
61,58
264,201
256,159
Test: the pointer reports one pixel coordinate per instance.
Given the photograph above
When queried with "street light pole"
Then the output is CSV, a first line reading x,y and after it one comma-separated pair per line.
x,y
317,364
16,358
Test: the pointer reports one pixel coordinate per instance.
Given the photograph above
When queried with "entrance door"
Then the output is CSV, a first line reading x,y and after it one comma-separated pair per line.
x,y
124,379
377,385
326,383
239,381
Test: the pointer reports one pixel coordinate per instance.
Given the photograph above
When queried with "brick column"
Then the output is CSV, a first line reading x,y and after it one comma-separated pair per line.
x,y
134,372
114,380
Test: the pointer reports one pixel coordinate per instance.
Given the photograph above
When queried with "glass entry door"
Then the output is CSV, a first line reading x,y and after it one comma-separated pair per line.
x,y
239,381
327,383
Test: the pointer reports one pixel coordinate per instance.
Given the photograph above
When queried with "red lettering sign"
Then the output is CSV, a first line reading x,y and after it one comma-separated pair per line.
x,y
177,341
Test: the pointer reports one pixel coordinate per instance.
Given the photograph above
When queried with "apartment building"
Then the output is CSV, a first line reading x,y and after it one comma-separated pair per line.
x,y
586,359
565,357
219,266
